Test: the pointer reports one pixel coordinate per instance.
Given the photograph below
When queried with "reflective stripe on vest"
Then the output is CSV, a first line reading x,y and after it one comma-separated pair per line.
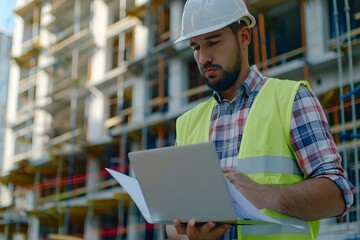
x,y
269,164
266,229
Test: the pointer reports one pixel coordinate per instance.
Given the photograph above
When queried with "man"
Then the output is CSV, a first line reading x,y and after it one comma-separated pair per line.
x,y
271,135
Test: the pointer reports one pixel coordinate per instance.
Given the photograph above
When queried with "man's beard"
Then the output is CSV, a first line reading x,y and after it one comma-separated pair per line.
x,y
229,78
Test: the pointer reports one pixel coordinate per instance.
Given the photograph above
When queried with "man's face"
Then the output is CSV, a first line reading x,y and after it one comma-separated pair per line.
x,y
218,57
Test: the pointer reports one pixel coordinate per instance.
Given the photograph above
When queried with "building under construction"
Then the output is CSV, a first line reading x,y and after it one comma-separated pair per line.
x,y
5,46
92,80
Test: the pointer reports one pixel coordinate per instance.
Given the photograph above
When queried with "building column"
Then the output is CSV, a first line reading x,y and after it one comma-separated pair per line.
x,y
176,7
138,99
92,175
176,84
132,231
33,229
92,225
316,30
99,28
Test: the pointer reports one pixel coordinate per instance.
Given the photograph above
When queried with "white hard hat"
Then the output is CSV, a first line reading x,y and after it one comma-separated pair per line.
x,y
204,16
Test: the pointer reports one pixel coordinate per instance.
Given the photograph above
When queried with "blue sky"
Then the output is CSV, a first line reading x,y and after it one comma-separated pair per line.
x,y
7,14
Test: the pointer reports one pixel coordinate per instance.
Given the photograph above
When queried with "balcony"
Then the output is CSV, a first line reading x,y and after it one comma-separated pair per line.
x,y
30,48
59,100
70,42
27,83
26,7
23,145
67,83
18,175
46,216
59,6
122,26
67,143
70,24
24,114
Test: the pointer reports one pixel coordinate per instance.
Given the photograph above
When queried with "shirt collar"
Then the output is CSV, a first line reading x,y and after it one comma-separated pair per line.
x,y
250,83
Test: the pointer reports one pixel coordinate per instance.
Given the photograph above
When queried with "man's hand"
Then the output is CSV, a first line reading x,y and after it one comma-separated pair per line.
x,y
311,199
207,231
257,194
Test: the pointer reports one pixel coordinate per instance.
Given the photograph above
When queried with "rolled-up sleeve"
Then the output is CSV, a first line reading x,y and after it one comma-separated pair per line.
x,y
314,145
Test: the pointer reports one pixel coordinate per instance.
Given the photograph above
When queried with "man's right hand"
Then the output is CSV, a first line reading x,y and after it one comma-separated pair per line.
x,y
207,231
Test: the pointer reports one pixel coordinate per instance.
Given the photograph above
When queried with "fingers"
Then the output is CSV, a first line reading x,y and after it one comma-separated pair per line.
x,y
206,231
228,170
180,228
221,230
192,229
234,175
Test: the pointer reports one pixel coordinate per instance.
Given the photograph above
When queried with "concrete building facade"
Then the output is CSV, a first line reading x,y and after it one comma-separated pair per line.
x,y
5,47
92,80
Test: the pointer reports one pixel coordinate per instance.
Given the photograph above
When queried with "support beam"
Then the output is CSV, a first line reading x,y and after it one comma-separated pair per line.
x,y
262,41
303,38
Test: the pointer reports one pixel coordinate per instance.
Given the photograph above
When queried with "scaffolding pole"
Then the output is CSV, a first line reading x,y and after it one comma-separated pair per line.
x,y
303,39
262,41
341,92
147,110
73,119
353,113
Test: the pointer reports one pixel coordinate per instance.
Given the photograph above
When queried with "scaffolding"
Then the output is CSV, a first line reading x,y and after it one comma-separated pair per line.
x,y
344,136
142,91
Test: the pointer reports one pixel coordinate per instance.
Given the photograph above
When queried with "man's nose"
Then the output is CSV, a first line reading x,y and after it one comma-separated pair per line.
x,y
205,56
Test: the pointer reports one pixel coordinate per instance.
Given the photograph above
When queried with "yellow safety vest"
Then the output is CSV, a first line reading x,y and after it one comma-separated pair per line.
x,y
266,154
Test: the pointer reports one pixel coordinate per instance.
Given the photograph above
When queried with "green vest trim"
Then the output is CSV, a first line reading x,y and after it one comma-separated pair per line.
x,y
265,146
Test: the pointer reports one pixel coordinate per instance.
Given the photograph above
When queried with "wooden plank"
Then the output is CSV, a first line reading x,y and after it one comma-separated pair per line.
x,y
54,236
338,128
357,16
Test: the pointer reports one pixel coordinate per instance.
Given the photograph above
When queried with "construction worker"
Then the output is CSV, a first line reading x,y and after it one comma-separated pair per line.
x,y
271,135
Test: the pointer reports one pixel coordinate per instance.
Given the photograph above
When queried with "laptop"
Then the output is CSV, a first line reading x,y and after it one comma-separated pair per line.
x,y
183,182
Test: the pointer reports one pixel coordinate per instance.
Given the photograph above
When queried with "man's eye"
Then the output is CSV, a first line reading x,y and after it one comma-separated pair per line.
x,y
195,48
214,43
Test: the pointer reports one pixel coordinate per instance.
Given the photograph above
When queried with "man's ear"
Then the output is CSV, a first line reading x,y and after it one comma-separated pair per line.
x,y
244,36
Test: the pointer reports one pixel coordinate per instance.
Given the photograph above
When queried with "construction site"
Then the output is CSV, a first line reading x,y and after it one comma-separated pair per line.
x,y
92,80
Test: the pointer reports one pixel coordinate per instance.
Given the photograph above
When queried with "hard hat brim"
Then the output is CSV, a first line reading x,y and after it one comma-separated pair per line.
x,y
250,22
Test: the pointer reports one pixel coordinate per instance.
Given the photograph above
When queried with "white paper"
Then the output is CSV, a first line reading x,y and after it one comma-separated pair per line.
x,y
244,209
132,186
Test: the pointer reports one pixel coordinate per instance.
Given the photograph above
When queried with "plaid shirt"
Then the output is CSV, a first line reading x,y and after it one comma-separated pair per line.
x,y
310,134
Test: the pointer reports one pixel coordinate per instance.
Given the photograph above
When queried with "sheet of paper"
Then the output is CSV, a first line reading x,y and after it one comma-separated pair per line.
x,y
132,186
244,209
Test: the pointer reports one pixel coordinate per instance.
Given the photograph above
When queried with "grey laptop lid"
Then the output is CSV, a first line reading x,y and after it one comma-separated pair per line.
x,y
183,182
